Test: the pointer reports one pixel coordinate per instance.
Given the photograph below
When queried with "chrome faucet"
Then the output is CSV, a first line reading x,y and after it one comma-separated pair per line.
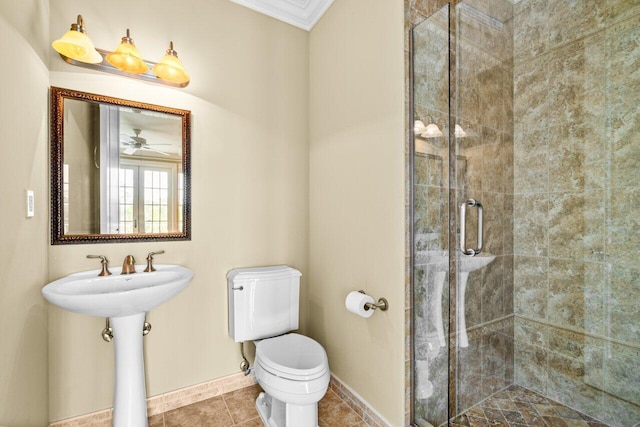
x,y
150,261
129,265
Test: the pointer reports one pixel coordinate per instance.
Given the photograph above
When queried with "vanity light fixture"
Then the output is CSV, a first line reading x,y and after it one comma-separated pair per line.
x,y
170,68
76,45
432,131
76,48
429,131
127,58
459,132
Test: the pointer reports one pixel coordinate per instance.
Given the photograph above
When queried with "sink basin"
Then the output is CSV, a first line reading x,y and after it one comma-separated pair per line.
x,y
117,295
439,260
124,299
468,264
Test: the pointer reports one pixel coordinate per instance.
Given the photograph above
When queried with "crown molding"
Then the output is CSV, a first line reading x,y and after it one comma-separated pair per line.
x,y
299,13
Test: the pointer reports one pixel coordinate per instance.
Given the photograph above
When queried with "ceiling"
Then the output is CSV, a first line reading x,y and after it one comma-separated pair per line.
x,y
300,13
162,132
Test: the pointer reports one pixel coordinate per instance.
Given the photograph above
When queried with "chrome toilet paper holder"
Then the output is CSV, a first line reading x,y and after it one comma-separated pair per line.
x,y
382,303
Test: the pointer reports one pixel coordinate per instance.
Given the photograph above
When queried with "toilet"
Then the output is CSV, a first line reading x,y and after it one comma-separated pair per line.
x,y
292,369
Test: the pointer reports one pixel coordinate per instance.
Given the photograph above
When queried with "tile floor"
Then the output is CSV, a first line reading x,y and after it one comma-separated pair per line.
x,y
519,407
237,408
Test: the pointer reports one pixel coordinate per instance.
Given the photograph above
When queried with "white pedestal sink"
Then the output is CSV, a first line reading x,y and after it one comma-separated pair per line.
x,y
467,264
438,261
124,299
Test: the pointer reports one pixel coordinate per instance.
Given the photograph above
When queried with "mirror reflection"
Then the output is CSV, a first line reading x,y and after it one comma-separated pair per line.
x,y
121,168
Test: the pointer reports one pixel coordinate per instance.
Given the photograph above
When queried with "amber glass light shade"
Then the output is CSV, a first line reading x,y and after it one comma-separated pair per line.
x,y
170,68
75,44
127,58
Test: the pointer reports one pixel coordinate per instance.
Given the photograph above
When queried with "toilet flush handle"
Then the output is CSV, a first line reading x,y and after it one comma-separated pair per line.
x,y
239,288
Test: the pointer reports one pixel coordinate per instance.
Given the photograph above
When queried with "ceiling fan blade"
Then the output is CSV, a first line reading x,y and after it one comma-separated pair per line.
x,y
157,151
130,150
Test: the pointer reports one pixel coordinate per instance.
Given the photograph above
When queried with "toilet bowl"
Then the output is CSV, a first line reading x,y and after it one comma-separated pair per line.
x,y
293,370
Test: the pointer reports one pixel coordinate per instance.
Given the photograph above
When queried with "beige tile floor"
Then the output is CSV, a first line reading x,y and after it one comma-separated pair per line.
x,y
237,408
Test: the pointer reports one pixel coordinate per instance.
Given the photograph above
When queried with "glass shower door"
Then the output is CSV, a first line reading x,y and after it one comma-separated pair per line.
x,y
482,315
430,190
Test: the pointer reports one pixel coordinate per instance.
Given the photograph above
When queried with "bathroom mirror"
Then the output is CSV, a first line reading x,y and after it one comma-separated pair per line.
x,y
120,170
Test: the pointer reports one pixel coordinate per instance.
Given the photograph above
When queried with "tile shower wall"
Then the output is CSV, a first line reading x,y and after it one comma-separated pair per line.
x,y
577,193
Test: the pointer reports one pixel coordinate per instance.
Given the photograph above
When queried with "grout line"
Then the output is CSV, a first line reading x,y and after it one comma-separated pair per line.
x,y
233,422
578,331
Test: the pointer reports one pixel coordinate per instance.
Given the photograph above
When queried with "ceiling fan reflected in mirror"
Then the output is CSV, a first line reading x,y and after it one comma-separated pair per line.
x,y
135,142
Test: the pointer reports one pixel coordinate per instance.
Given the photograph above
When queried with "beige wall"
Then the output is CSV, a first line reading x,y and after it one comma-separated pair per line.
x,y
249,98
252,178
23,245
357,215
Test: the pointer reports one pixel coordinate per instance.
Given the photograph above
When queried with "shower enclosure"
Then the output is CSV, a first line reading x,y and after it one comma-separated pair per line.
x,y
525,226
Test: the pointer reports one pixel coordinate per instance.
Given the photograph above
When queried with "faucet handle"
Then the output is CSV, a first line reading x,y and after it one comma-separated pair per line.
x,y
105,264
150,261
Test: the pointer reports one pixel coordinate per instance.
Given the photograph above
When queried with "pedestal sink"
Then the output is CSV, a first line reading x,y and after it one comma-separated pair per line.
x,y
467,264
438,262
124,299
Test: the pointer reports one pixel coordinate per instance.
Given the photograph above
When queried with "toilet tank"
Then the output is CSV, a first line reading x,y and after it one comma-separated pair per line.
x,y
263,301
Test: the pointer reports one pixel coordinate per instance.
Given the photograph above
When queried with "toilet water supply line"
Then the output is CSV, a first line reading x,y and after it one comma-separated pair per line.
x,y
244,365
107,332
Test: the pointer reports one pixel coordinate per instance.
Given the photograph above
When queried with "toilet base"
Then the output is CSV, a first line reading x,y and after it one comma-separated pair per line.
x,y
275,413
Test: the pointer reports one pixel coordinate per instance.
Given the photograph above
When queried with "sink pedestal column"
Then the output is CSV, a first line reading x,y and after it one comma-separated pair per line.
x,y
130,396
438,320
463,340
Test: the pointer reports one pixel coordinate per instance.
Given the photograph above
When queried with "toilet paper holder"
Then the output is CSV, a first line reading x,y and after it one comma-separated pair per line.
x,y
382,303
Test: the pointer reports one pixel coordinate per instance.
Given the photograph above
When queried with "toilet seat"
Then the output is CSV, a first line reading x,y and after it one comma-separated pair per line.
x,y
292,356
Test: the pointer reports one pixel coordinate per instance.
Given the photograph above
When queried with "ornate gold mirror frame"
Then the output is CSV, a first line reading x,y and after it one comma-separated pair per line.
x,y
58,235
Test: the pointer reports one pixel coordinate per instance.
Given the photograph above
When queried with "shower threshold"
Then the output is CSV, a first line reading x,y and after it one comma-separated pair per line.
x,y
516,406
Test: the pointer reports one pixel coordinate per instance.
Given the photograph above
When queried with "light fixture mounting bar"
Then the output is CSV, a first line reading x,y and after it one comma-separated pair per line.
x,y
106,67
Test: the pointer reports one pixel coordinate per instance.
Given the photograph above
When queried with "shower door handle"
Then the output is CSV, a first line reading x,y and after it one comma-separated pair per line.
x,y
463,227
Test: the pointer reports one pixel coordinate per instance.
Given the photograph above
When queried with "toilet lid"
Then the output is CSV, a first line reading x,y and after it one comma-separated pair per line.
x,y
292,355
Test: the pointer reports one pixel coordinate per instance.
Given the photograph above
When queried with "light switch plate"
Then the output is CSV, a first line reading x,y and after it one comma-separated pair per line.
x,y
30,204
